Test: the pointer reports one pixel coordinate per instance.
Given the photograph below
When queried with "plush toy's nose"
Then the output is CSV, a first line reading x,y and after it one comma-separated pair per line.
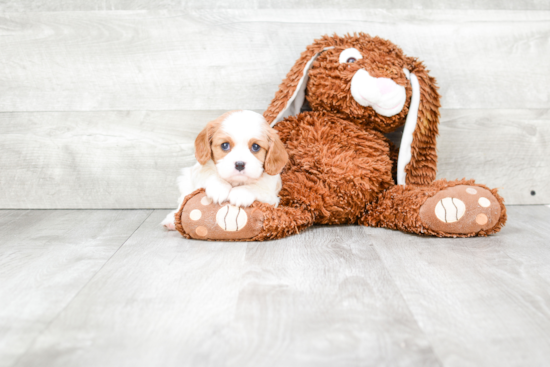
x,y
384,95
385,85
239,166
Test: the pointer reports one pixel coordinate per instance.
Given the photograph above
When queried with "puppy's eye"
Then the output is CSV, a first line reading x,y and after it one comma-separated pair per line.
x,y
255,147
225,146
349,55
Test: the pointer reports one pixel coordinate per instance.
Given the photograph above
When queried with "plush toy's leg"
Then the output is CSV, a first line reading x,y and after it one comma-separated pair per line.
x,y
199,218
458,208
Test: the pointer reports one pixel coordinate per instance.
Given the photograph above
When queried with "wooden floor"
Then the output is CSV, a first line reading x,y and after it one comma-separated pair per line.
x,y
111,288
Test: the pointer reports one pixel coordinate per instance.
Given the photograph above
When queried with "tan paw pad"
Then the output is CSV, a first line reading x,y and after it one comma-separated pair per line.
x,y
202,219
201,231
206,201
231,218
461,209
484,202
481,219
450,210
195,214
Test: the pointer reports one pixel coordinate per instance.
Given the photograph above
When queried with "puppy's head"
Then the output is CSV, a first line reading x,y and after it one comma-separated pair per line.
x,y
242,146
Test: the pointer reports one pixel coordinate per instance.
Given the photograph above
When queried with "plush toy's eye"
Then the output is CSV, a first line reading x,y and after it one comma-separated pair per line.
x,y
255,147
225,146
349,55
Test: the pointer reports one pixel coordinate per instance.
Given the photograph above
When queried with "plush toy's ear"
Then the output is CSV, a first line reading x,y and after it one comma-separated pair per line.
x,y
203,150
291,94
417,162
276,157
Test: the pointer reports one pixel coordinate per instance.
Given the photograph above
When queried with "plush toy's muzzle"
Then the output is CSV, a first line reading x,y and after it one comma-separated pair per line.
x,y
384,95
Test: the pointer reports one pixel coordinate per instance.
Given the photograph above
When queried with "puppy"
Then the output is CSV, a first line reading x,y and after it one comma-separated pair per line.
x,y
240,158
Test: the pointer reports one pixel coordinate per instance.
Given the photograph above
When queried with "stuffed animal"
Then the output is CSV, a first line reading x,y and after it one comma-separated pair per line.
x,y
331,112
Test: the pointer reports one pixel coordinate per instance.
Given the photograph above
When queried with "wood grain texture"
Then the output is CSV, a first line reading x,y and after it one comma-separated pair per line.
x,y
46,258
96,160
319,299
333,296
232,59
106,5
117,159
480,301
507,149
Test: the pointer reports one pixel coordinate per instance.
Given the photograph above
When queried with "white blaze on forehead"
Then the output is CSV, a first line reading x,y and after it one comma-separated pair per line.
x,y
243,126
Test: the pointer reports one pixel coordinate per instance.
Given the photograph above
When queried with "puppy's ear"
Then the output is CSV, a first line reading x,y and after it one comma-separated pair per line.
x,y
291,94
276,157
203,148
203,151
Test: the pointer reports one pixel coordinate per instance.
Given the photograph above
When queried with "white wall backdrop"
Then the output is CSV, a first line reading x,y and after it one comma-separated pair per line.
x,y
100,101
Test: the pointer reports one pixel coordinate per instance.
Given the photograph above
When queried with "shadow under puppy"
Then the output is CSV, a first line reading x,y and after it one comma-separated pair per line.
x,y
240,158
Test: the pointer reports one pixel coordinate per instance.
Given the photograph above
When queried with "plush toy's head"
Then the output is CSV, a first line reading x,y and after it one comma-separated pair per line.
x,y
369,81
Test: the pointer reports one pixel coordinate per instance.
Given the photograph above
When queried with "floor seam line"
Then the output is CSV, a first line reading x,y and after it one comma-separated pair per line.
x,y
406,302
14,219
77,293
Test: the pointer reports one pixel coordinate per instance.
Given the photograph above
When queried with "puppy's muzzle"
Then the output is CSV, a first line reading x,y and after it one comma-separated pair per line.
x,y
239,166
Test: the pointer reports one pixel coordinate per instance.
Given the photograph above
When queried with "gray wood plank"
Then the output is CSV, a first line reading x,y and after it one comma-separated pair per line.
x,y
120,159
507,149
228,59
96,160
83,5
46,257
319,299
481,301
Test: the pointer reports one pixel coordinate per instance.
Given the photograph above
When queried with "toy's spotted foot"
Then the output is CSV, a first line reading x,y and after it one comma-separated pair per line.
x,y
443,208
200,219
461,209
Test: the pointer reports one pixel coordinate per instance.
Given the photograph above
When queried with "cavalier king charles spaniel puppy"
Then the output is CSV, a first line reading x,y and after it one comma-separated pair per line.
x,y
240,158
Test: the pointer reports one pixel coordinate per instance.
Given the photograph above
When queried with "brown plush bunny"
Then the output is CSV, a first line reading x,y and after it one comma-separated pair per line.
x,y
357,88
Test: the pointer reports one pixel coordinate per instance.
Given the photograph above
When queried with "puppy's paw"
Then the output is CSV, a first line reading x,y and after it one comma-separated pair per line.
x,y
218,191
168,222
241,197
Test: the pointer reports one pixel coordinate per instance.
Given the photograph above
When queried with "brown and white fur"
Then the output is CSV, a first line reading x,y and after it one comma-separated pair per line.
x,y
240,158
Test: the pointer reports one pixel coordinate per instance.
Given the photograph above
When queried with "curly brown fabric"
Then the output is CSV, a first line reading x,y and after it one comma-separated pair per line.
x,y
277,223
399,207
335,167
342,169
177,216
282,222
328,89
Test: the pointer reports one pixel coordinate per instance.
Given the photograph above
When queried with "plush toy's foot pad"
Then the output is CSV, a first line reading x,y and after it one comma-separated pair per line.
x,y
461,209
204,220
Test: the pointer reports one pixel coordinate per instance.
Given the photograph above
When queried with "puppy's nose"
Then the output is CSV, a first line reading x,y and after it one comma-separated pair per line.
x,y
239,166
